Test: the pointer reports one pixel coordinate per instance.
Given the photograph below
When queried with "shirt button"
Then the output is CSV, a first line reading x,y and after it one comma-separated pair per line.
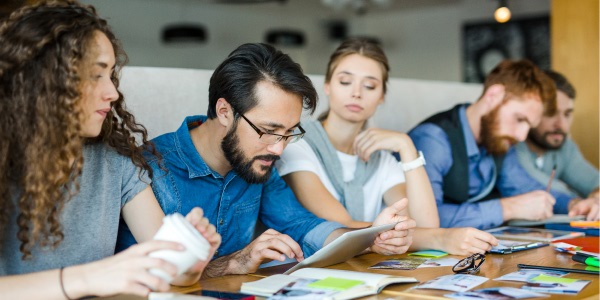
x,y
221,222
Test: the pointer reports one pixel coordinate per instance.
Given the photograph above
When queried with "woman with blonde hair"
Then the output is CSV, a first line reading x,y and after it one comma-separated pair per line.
x,y
345,172
71,167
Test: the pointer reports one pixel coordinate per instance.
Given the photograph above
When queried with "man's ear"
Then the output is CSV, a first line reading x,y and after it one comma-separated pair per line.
x,y
224,112
493,96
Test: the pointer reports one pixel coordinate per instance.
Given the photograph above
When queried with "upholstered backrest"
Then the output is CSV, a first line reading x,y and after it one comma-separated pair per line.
x,y
161,98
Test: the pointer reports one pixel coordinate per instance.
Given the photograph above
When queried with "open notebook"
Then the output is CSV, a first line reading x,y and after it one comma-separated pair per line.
x,y
306,280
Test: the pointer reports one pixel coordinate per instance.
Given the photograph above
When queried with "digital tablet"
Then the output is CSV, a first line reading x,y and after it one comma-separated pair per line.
x,y
343,248
507,247
555,219
532,234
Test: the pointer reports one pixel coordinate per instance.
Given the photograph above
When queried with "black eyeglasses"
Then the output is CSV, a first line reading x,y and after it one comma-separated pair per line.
x,y
273,138
469,265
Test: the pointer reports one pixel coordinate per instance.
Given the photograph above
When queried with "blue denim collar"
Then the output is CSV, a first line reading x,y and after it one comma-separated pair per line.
x,y
473,150
187,151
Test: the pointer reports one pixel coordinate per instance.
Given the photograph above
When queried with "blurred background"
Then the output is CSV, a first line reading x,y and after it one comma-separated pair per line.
x,y
422,38
449,40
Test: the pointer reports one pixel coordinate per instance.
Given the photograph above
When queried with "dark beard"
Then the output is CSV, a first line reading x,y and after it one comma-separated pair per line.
x,y
542,141
493,143
240,164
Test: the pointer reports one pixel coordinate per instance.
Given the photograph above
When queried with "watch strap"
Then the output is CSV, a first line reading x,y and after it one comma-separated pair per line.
x,y
417,162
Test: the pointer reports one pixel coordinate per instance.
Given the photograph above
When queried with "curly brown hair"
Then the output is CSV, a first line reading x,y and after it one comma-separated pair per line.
x,y
44,53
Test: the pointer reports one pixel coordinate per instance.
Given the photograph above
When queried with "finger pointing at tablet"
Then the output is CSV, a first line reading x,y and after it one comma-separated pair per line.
x,y
271,245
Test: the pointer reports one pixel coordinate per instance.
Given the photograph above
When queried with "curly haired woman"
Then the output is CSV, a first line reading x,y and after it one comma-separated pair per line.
x,y
71,167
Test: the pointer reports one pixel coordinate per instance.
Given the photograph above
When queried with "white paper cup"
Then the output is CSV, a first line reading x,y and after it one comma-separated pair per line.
x,y
176,228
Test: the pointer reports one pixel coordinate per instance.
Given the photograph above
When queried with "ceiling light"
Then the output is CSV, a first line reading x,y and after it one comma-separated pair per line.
x,y
502,14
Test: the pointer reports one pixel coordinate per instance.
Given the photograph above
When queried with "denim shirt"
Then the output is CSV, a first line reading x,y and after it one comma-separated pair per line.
x,y
512,180
230,203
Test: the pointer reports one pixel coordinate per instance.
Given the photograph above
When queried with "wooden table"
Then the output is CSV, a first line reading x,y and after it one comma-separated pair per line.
x,y
495,266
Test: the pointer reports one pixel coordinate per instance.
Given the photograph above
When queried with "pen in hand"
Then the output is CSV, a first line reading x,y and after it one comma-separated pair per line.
x,y
552,174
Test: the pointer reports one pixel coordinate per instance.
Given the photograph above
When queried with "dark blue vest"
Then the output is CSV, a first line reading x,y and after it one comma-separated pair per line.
x,y
456,181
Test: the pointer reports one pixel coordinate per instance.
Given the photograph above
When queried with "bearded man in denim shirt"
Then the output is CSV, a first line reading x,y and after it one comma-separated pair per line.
x,y
223,163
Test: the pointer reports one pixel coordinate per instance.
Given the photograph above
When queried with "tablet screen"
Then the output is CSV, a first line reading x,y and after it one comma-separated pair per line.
x,y
535,234
506,246
343,248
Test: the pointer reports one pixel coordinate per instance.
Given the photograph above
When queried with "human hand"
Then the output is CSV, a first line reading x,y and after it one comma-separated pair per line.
x,y
536,205
589,207
125,273
271,245
466,241
398,239
374,139
209,232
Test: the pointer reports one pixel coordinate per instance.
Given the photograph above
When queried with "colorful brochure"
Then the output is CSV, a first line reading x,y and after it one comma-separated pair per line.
x,y
439,262
555,285
410,263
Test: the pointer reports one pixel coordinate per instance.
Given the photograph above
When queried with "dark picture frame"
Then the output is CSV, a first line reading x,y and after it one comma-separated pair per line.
x,y
486,43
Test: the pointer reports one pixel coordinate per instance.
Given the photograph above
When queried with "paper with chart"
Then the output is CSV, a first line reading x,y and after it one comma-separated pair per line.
x,y
456,283
525,275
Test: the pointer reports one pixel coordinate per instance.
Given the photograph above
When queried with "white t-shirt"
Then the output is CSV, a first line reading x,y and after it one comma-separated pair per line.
x,y
300,157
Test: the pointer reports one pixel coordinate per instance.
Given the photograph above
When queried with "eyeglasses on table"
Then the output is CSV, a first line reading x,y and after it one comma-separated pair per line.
x,y
470,264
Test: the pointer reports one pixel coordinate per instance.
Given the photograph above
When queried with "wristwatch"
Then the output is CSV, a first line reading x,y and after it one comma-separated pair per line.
x,y
417,162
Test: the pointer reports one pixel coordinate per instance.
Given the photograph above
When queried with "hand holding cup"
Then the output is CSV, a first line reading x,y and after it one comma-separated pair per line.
x,y
178,229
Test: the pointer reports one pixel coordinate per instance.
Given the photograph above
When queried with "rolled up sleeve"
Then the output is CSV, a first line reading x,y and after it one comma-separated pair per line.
x,y
434,143
281,211
315,239
514,180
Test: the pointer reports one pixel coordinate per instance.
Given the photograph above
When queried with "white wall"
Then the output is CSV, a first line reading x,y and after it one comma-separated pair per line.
x,y
161,98
422,38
